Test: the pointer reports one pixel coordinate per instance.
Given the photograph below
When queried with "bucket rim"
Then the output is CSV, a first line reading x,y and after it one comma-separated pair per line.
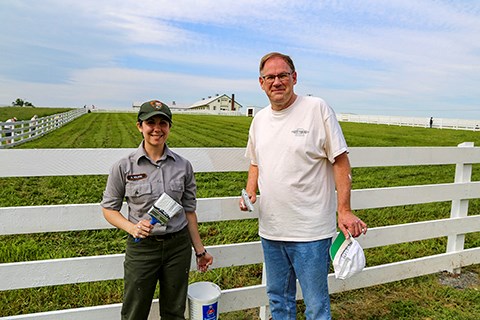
x,y
198,283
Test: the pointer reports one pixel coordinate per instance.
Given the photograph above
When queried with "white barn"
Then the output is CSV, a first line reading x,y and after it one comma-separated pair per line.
x,y
216,103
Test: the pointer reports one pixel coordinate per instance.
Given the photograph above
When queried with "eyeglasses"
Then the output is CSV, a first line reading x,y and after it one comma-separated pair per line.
x,y
270,78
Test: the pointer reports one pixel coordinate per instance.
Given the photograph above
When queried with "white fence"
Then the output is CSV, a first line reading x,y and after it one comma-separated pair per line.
x,y
177,111
438,123
56,218
26,130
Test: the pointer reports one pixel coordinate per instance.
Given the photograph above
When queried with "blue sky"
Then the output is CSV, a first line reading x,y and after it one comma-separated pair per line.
x,y
414,58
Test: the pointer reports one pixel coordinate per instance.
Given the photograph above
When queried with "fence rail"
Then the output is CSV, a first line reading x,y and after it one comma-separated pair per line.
x,y
26,130
36,219
438,123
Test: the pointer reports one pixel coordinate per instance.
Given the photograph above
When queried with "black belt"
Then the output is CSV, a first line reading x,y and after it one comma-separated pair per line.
x,y
167,236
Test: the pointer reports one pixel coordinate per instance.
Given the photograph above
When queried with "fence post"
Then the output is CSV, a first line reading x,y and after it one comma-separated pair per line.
x,y
24,130
463,173
14,133
264,310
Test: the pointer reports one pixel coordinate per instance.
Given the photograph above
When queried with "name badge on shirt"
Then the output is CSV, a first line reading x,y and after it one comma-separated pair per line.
x,y
136,176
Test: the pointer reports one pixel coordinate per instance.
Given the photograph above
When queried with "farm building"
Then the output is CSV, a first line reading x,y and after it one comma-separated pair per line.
x,y
217,103
136,105
251,111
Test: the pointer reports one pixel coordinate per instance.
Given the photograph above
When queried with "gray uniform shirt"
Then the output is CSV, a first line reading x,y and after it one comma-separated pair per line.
x,y
142,181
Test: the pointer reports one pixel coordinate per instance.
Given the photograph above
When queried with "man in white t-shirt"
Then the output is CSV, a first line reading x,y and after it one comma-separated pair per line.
x,y
298,158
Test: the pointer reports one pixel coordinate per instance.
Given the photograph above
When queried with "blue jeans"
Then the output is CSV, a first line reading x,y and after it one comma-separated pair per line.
x,y
307,261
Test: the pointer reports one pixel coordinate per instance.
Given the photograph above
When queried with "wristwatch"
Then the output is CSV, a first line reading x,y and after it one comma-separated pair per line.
x,y
199,255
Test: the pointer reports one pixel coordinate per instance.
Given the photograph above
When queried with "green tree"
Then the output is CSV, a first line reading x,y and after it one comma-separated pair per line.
x,y
21,103
18,103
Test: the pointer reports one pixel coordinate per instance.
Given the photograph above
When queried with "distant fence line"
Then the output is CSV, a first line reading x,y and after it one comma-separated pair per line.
x,y
424,122
177,111
27,130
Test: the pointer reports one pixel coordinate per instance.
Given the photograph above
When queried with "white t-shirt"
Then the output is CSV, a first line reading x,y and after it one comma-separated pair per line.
x,y
294,149
10,125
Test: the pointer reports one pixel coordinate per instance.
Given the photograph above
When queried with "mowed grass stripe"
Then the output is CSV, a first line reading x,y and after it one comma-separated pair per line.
x,y
209,131
118,130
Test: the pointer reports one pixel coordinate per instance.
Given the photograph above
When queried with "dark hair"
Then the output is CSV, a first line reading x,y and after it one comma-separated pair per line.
x,y
141,121
285,58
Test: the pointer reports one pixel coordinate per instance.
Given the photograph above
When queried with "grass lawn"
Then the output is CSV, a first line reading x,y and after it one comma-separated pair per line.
x,y
420,298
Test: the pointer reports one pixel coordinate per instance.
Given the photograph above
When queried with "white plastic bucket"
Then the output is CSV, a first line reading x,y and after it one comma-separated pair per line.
x,y
203,300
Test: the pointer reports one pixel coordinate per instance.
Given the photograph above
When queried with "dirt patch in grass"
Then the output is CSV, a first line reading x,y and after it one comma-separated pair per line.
x,y
466,279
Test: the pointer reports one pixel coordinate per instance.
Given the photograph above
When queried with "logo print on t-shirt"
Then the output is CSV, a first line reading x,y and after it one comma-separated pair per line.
x,y
300,132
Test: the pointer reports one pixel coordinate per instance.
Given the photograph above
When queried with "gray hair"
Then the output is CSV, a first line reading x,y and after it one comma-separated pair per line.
x,y
285,58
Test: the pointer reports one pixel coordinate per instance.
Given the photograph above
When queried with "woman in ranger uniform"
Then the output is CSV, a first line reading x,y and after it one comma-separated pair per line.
x,y
155,253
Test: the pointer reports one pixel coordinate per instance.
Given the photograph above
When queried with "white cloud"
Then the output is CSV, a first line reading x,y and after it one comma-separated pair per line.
x,y
366,54
118,88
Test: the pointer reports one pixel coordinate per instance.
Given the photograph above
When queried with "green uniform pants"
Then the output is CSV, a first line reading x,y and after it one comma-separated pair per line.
x,y
155,259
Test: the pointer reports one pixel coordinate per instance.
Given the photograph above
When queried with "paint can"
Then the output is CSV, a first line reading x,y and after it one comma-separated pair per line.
x,y
203,300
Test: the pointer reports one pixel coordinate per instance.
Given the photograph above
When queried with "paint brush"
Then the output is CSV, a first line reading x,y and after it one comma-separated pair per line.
x,y
164,209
